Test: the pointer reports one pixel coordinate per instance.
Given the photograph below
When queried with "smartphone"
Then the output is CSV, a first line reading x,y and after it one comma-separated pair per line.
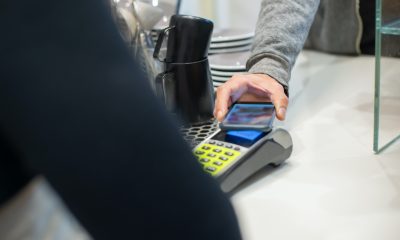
x,y
249,115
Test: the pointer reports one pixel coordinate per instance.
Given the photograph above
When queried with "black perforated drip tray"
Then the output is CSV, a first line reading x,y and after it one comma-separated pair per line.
x,y
196,133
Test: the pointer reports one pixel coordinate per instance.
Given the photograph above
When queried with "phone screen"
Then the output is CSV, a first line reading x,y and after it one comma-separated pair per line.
x,y
250,115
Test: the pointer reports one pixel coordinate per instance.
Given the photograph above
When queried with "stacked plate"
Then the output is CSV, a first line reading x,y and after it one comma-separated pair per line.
x,y
231,40
224,66
170,8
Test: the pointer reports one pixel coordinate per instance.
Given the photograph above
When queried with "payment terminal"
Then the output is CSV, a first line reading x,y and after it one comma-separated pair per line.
x,y
232,156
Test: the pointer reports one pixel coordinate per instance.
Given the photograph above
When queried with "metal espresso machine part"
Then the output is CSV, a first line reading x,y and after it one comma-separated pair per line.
x,y
185,87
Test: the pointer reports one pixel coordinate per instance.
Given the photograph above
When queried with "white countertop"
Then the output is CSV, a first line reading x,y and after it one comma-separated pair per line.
x,y
333,187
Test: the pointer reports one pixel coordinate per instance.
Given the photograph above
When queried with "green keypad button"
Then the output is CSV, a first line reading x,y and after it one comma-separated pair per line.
x,y
215,157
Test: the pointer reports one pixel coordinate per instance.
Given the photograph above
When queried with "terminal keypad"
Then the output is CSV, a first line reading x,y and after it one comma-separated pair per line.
x,y
215,155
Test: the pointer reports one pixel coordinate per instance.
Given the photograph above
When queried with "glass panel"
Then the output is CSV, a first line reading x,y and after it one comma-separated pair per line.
x,y
391,17
387,71
389,109
392,28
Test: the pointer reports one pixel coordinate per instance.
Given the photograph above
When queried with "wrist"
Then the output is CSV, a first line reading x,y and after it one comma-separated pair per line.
x,y
283,85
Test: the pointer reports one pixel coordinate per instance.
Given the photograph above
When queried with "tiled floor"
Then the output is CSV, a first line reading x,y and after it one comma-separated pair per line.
x,y
333,186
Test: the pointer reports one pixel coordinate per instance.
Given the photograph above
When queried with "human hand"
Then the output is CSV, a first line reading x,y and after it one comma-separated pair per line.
x,y
250,88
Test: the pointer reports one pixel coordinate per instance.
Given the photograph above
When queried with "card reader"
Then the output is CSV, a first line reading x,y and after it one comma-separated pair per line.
x,y
233,156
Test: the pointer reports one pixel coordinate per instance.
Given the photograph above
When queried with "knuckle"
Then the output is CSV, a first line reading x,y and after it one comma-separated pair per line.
x,y
219,89
284,100
237,77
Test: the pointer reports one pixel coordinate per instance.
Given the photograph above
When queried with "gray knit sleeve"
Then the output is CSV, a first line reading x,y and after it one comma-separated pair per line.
x,y
281,31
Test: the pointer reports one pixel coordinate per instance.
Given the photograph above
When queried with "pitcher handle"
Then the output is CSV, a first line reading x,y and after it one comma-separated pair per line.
x,y
159,43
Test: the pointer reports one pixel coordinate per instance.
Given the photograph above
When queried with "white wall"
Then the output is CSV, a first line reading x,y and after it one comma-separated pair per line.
x,y
224,13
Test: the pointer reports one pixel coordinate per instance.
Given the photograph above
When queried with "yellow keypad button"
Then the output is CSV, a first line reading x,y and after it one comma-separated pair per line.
x,y
199,152
230,154
204,160
211,155
217,163
211,169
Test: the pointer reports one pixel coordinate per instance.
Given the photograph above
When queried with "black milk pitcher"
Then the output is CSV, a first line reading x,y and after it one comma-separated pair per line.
x,y
185,86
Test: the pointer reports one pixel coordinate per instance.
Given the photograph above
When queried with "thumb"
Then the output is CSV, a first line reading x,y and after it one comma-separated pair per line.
x,y
280,102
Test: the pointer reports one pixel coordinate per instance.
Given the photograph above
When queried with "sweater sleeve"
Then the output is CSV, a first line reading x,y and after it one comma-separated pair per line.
x,y
281,31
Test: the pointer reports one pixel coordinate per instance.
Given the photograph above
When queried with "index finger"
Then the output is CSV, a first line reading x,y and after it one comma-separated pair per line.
x,y
226,95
